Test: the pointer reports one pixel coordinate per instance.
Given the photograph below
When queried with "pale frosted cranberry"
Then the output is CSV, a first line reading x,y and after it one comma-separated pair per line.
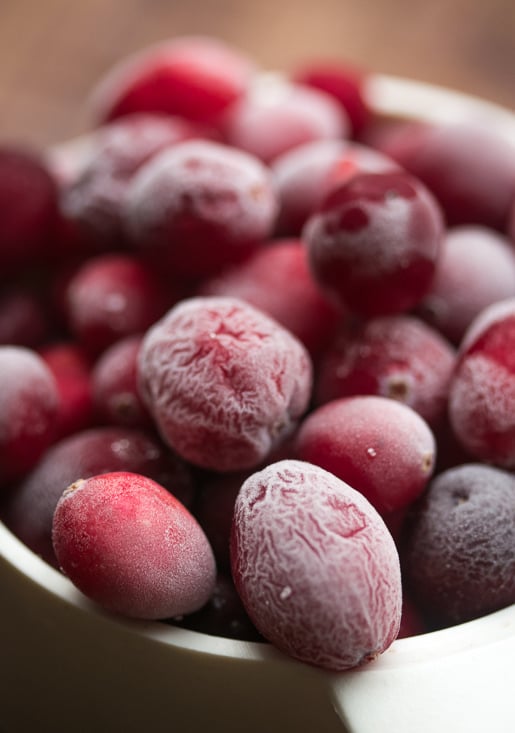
x,y
132,547
30,404
223,381
114,384
458,556
199,206
196,77
28,207
375,241
379,446
482,391
277,115
71,368
305,175
470,169
342,81
476,268
112,296
93,201
277,280
391,356
315,566
87,453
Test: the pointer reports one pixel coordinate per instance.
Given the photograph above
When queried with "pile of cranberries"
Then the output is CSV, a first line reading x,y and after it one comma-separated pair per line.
x,y
258,356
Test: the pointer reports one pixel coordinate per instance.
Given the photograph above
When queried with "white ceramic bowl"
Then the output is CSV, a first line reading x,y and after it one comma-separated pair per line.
x,y
68,667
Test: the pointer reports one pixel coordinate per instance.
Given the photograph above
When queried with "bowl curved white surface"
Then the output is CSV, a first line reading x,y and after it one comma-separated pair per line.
x,y
68,666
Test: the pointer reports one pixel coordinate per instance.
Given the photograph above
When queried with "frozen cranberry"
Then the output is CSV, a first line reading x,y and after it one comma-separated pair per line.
x,y
200,206
24,320
28,208
276,115
29,406
94,200
344,83
305,175
277,280
223,614
375,241
114,383
476,268
223,381
112,296
482,391
315,566
379,446
196,77
88,453
132,547
392,356
72,372
458,558
470,169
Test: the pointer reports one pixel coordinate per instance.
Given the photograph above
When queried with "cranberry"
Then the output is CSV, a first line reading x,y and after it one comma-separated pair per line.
x,y
379,446
277,280
199,206
482,392
88,453
458,557
28,208
305,175
112,296
132,547
24,320
375,241
315,566
223,381
276,115
476,268
393,356
195,77
30,404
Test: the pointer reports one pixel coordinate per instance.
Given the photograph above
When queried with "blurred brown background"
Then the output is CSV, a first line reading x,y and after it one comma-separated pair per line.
x,y
53,51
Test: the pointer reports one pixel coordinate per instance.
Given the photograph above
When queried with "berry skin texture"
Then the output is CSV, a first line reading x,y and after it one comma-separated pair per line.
x,y
482,390
132,547
458,555
381,447
374,243
198,207
224,382
29,400
315,566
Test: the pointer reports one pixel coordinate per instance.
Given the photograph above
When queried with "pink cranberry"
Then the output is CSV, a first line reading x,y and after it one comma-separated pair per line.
x,y
375,241
132,547
305,175
392,356
315,566
275,116
476,268
28,208
30,404
112,296
200,206
343,82
381,447
277,280
195,77
223,381
88,453
482,391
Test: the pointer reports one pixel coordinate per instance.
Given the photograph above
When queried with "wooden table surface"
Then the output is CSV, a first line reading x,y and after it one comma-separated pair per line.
x,y
53,51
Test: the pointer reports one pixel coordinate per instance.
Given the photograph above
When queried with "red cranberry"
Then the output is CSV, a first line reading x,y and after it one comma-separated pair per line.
x,y
375,241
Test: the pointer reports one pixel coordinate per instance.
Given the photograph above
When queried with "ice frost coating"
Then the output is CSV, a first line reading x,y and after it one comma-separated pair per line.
x,y
315,566
223,381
